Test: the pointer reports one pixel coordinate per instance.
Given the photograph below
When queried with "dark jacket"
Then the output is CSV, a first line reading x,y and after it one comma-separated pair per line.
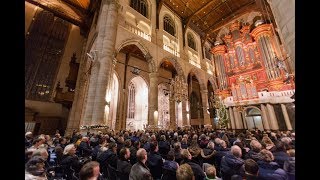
x,y
164,148
84,149
252,155
140,171
230,165
155,164
133,155
271,171
69,165
171,165
280,157
197,170
124,168
95,151
105,158
290,167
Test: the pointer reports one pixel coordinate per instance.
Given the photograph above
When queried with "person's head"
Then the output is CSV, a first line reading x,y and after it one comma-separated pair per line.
x,y
211,172
127,143
223,144
185,154
28,135
162,138
177,146
170,155
124,154
292,152
210,145
251,167
70,149
236,151
85,139
266,155
142,155
90,171
41,152
255,146
184,172
113,147
154,146
137,144
35,166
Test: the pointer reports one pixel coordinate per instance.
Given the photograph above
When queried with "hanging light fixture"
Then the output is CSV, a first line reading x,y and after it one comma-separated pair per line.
x,y
178,89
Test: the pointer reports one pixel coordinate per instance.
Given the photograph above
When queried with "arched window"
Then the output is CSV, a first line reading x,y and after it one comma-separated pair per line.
x,y
191,42
141,6
45,44
168,25
132,100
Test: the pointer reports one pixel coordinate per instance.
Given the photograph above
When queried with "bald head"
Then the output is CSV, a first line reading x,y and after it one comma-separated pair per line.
x,y
236,151
142,155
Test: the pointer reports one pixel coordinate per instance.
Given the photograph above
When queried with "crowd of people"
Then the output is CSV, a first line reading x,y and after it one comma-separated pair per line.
x,y
182,154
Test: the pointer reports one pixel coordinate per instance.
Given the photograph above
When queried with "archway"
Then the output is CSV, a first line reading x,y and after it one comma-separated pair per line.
x,y
196,106
253,118
112,102
137,115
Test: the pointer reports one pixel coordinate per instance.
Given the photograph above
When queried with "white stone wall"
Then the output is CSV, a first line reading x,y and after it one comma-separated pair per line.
x,y
284,13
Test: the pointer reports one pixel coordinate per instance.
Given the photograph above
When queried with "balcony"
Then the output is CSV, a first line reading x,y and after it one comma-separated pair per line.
x,y
272,97
171,50
137,31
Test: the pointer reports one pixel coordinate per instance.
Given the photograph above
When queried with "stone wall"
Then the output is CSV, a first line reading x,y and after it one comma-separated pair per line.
x,y
284,13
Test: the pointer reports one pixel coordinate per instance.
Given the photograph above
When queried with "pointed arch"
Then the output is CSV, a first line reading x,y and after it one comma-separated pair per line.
x,y
213,82
199,75
175,63
151,61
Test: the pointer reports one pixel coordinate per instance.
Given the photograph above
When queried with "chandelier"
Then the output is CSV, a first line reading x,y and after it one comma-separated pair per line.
x,y
178,89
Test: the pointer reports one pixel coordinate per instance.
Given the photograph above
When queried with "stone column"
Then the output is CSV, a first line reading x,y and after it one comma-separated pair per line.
x,y
273,118
79,95
231,118
286,117
264,115
236,118
184,114
243,120
206,116
153,98
121,121
172,114
107,32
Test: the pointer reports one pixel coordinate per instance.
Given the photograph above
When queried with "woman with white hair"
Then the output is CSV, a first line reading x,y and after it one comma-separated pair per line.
x,y
70,162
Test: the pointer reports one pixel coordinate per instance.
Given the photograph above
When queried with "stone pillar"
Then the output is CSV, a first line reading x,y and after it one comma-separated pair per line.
x,y
264,115
243,120
286,117
107,32
233,126
79,95
273,118
285,20
121,121
236,118
153,98
184,114
205,103
172,114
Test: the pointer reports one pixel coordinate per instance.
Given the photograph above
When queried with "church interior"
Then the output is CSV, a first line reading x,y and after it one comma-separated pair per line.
x,y
159,64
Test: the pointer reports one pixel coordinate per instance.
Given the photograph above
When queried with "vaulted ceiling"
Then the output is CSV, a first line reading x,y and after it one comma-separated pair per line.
x,y
205,17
